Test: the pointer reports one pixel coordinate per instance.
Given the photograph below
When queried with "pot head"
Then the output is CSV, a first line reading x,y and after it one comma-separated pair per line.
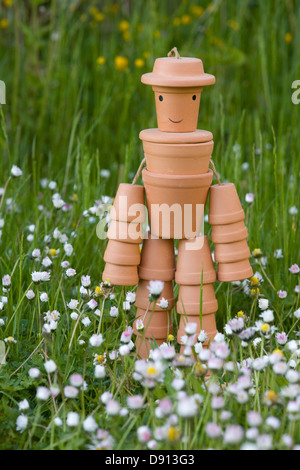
x,y
177,109
177,84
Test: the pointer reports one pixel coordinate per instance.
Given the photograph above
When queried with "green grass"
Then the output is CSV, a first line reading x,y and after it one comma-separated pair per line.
x,y
67,118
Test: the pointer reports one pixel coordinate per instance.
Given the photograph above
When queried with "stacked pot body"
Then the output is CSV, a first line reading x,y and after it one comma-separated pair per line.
x,y
229,233
177,176
196,275
157,263
122,254
176,180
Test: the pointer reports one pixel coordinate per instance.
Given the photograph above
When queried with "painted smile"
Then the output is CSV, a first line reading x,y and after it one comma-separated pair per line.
x,y
175,122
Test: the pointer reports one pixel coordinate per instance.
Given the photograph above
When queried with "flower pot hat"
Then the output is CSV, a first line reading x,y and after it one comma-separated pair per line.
x,y
177,83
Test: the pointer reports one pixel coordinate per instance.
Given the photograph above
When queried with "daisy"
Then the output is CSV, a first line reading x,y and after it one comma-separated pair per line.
x,y
130,297
233,434
73,304
40,276
282,294
113,408
30,294
281,338
163,303
85,281
43,393
50,366
70,391
89,424
73,419
6,280
86,321
16,171
187,407
263,304
21,423
294,269
155,289
68,249
114,312
92,304
249,197
96,340
23,405
70,272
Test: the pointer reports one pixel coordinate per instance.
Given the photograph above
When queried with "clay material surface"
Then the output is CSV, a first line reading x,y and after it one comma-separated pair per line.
x,y
177,109
120,275
176,203
127,254
157,259
238,271
224,205
194,263
125,232
189,300
173,72
229,233
156,136
178,159
231,252
129,204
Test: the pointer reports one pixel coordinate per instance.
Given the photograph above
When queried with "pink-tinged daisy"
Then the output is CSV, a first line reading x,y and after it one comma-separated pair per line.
x,y
249,197
281,338
282,294
294,269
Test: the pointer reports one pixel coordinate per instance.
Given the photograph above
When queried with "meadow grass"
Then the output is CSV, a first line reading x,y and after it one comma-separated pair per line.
x,y
73,117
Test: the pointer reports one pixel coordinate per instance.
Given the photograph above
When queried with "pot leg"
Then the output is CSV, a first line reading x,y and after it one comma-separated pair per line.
x,y
157,264
189,309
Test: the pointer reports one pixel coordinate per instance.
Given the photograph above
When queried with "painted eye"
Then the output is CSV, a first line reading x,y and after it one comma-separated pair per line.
x,y
194,97
160,98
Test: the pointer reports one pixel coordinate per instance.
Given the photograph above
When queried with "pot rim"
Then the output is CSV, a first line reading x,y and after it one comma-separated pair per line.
x,y
156,79
156,136
171,181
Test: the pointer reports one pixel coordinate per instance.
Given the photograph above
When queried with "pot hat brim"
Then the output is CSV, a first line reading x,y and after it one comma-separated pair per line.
x,y
174,72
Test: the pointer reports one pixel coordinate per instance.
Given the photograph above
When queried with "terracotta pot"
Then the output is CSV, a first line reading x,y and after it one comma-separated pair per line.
x,y
177,109
238,271
208,325
126,254
176,203
157,259
177,84
231,252
142,294
125,232
158,324
195,262
178,159
143,346
120,275
129,204
229,233
189,300
224,205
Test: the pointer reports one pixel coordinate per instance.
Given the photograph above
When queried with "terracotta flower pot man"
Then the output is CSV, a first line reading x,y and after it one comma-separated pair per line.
x,y
177,180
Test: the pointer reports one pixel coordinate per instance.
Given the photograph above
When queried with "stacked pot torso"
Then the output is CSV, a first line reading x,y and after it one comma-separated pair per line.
x,y
177,179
